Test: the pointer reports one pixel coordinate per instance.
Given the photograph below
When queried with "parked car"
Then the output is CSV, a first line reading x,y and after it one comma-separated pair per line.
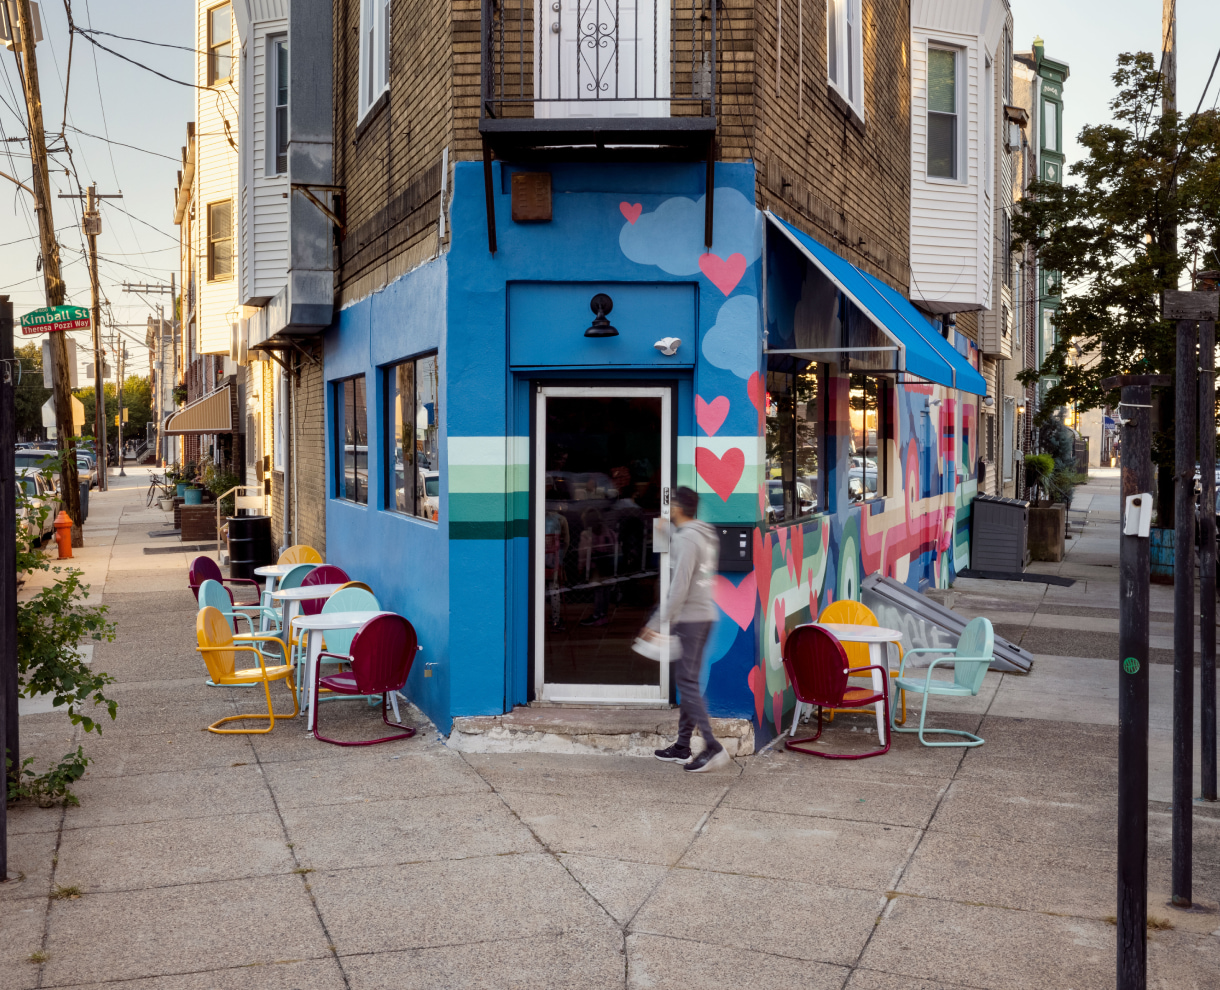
x,y
432,493
39,491
775,500
86,470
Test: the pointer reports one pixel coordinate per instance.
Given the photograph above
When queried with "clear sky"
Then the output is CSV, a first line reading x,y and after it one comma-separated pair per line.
x,y
112,98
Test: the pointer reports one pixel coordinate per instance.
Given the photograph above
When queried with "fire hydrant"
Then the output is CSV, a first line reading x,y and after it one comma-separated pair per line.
x,y
63,534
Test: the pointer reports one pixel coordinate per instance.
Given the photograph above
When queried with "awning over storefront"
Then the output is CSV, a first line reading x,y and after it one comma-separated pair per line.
x,y
211,414
922,351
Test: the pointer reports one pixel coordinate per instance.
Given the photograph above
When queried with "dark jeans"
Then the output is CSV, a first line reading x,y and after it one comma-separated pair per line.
x,y
693,709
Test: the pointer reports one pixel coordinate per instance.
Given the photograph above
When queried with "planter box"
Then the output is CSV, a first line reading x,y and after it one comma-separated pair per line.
x,y
198,523
1047,531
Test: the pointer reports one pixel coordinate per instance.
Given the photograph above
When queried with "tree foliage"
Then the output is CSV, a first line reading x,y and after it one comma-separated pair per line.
x,y
137,400
1109,236
29,395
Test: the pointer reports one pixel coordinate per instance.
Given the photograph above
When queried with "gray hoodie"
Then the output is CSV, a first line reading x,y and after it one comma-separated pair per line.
x,y
693,552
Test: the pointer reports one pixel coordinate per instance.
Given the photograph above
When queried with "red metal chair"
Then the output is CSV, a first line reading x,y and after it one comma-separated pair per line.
x,y
205,568
818,669
324,574
381,656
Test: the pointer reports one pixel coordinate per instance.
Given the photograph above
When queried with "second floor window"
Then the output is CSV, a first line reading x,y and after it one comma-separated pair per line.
x,y
220,240
1050,125
845,51
277,118
374,51
942,113
220,45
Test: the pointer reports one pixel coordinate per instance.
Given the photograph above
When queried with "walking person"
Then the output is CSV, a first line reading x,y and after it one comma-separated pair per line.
x,y
690,611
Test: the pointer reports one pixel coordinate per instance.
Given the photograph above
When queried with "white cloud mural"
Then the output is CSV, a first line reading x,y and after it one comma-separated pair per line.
x,y
671,237
732,341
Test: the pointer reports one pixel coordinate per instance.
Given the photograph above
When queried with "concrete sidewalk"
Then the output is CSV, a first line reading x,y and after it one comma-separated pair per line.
x,y
197,861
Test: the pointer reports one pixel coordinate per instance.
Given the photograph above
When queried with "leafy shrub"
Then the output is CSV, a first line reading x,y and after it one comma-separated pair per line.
x,y
1038,470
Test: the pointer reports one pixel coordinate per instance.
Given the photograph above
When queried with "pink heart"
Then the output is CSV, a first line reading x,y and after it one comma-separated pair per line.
x,y
756,388
762,568
711,415
736,601
632,211
758,685
721,473
798,551
777,709
781,624
724,274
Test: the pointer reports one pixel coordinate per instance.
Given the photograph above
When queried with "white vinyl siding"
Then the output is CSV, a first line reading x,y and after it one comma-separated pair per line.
x,y
264,218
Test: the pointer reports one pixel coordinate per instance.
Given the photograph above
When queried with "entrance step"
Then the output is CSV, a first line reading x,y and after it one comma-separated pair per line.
x,y
613,731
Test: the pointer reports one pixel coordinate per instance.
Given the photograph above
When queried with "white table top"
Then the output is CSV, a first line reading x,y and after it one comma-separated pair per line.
x,y
851,633
306,593
274,570
334,620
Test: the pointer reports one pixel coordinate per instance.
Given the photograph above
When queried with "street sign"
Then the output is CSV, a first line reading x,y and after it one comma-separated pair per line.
x,y
55,318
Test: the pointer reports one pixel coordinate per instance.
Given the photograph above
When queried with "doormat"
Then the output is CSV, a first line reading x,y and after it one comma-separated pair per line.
x,y
157,534
185,548
1055,579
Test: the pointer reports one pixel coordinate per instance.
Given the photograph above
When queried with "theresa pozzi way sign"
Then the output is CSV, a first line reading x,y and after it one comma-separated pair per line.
x,y
55,318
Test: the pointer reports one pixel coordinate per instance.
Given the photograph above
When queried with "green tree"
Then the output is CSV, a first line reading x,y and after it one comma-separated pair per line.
x,y
30,393
1108,234
137,400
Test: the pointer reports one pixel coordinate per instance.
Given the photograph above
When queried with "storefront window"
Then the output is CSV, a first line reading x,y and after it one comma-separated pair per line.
x,y
869,406
352,439
794,416
413,437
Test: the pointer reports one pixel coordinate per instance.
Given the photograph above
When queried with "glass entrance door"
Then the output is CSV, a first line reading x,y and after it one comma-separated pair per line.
x,y
601,462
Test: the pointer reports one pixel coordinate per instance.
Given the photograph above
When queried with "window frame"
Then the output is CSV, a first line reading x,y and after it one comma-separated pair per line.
x,y
1057,147
885,394
339,395
845,37
390,435
213,78
790,481
213,241
275,130
374,55
957,177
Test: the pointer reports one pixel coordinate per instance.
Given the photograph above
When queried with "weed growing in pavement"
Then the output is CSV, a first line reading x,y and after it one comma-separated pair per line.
x,y
49,788
37,958
71,892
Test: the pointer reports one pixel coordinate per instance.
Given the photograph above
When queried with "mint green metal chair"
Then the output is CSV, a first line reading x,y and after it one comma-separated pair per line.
x,y
970,662
214,594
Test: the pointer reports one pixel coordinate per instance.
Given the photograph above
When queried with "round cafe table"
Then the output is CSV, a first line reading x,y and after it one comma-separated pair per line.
x,y
877,638
273,573
307,626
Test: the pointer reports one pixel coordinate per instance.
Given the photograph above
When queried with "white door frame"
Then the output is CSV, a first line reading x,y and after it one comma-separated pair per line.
x,y
642,695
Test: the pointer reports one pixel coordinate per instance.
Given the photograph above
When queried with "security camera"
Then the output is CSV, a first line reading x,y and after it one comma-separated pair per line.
x,y
668,345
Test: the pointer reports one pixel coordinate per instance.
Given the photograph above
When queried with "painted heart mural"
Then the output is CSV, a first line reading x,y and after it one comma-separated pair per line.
x,y
724,273
711,415
631,211
736,600
721,473
756,388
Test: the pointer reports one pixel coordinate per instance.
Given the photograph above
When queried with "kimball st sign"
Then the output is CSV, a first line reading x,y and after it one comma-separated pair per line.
x,y
55,318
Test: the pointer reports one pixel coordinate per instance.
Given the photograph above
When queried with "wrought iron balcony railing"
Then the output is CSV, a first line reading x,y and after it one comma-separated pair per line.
x,y
598,67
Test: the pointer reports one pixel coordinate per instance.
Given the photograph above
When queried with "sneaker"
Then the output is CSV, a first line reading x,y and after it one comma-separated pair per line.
x,y
673,754
709,759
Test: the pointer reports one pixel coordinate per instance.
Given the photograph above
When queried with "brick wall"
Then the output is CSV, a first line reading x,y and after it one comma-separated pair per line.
x,y
310,448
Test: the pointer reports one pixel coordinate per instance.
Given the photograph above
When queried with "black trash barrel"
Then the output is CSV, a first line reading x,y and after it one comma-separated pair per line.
x,y
84,500
249,544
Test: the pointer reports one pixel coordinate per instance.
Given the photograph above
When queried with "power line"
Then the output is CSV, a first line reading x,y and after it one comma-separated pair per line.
x,y
145,222
142,41
168,158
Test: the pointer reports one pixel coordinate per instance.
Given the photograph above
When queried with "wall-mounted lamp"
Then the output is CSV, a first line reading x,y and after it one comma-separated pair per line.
x,y
601,304
988,401
1021,409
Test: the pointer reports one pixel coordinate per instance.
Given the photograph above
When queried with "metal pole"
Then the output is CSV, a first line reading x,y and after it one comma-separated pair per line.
x,y
120,351
1207,559
1133,699
1187,386
8,572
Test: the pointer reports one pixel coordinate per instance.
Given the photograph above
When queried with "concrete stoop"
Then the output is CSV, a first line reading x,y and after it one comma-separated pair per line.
x,y
617,731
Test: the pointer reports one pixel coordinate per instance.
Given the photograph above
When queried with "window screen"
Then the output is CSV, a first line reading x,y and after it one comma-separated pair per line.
x,y
942,113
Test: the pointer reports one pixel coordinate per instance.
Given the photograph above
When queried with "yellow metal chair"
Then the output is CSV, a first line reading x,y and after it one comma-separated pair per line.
x,y
354,584
300,554
855,613
220,647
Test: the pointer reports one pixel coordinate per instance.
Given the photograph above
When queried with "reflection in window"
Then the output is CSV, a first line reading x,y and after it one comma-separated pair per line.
x,y
351,428
413,437
793,418
869,408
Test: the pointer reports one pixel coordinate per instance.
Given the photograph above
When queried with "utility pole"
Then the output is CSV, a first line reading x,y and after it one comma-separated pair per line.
x,y
159,288
52,280
92,225
1206,282
120,352
9,741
